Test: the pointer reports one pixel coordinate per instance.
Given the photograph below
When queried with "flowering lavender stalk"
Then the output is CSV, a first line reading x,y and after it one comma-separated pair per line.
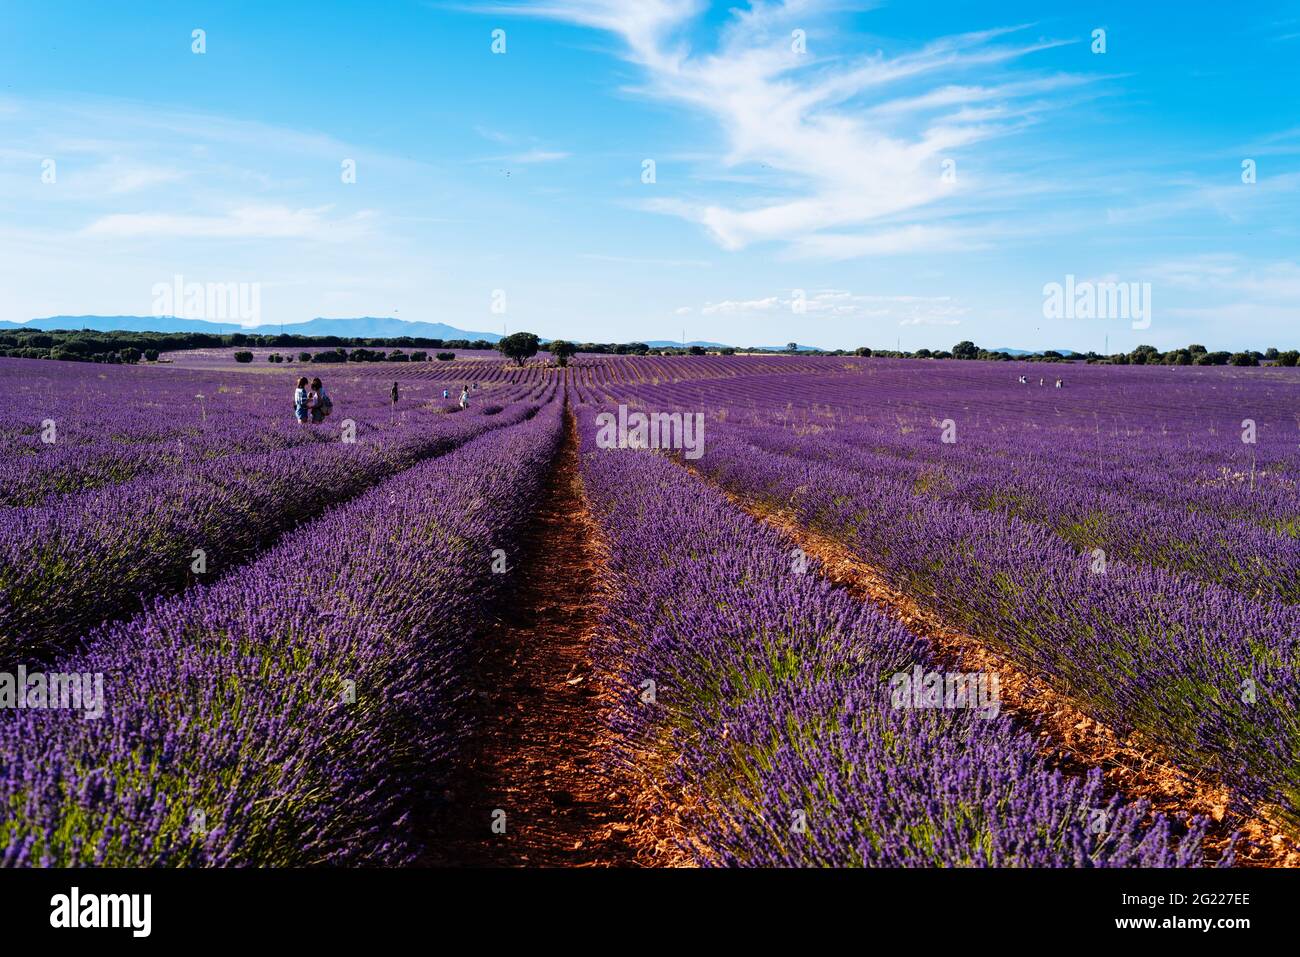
x,y
298,713
89,558
768,692
1204,672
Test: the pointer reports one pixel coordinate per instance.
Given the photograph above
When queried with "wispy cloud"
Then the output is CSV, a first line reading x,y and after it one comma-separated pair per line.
x,y
849,154
538,156
250,222
1228,288
644,260
840,304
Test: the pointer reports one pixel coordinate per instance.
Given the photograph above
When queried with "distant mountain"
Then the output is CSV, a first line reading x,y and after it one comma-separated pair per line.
x,y
1027,352
122,323
674,344
363,327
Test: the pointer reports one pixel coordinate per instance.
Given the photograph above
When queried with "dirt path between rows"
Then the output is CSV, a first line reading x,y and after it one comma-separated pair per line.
x,y
542,756
1066,735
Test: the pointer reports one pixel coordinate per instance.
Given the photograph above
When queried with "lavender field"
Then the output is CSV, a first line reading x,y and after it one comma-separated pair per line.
x,y
711,610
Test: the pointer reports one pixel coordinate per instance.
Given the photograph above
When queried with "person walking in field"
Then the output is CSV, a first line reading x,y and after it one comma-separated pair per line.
x,y
1058,383
300,399
464,397
394,393
319,402
444,393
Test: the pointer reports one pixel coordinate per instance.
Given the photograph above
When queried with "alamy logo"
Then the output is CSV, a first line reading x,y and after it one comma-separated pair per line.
x,y
37,691
103,910
654,430
1098,300
935,689
213,301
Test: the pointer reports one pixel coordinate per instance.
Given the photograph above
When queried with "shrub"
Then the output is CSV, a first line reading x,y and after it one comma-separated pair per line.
x,y
243,356
446,356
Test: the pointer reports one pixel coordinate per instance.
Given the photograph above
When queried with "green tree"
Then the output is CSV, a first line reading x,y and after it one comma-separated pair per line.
x,y
965,350
521,346
562,350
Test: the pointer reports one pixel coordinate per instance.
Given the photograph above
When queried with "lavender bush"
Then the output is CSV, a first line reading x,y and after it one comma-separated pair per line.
x,y
772,706
298,713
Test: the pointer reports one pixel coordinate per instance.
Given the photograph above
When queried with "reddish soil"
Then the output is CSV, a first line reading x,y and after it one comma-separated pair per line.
x,y
542,755
1067,736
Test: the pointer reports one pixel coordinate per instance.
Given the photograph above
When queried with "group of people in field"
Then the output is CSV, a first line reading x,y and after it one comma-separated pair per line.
x,y
311,403
464,394
1024,380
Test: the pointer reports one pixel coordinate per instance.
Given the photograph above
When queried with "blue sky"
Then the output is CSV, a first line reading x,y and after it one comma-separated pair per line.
x,y
916,173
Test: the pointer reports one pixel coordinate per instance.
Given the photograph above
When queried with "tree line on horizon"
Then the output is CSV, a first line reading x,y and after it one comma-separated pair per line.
x,y
86,345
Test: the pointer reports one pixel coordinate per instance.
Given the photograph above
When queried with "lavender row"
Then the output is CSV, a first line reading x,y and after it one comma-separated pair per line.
x,y
1205,673
299,713
1232,553
768,694
30,480
94,434
91,558
1217,442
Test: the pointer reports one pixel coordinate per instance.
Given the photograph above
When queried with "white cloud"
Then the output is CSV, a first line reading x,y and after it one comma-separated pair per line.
x,y
1230,290
842,165
906,239
248,222
839,304
929,321
644,260
539,156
